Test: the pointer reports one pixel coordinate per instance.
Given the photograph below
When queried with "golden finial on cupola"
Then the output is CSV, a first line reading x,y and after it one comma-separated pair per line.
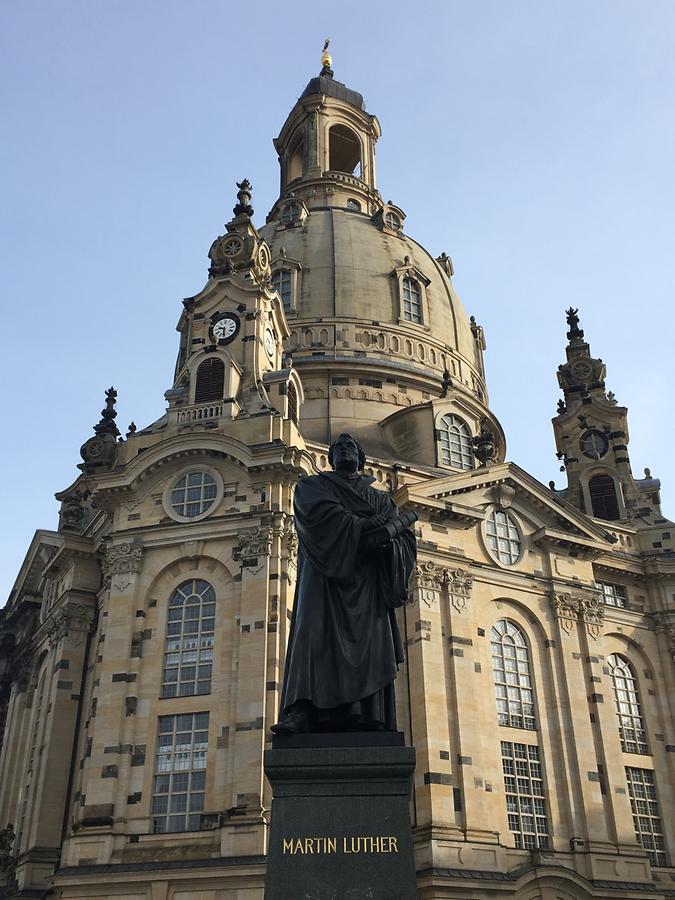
x,y
326,60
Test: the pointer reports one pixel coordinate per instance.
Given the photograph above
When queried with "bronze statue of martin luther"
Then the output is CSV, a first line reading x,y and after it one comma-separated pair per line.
x,y
356,555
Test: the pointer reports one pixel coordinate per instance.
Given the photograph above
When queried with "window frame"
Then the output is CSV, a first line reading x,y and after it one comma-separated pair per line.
x,y
520,672
171,486
442,429
658,857
411,272
526,768
203,638
494,554
278,264
636,720
174,759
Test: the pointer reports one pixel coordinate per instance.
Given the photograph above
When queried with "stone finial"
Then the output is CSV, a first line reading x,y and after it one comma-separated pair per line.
x,y
132,429
648,473
326,61
100,452
562,407
108,415
575,335
446,384
611,398
243,207
446,264
485,444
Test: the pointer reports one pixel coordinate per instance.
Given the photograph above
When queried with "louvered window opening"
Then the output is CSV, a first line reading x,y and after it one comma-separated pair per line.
x,y
412,303
631,725
646,815
512,676
603,497
455,441
292,403
210,381
281,282
525,798
180,772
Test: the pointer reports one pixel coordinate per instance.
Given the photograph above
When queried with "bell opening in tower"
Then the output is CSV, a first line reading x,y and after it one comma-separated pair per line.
x,y
344,149
296,159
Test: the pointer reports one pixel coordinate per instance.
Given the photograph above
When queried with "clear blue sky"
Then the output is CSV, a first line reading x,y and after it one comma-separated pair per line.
x,y
533,142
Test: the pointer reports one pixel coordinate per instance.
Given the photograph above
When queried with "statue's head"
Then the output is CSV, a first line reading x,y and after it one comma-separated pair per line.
x,y
346,454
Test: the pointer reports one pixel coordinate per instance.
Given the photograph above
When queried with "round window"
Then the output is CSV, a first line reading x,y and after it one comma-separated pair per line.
x,y
503,537
193,494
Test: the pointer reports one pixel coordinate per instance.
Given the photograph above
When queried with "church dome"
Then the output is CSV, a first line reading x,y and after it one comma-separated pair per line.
x,y
376,327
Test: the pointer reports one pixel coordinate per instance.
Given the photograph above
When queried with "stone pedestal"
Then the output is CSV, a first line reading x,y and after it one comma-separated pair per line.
x,y
340,825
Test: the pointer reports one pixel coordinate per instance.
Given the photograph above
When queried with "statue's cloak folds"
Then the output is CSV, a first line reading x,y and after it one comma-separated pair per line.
x,y
344,646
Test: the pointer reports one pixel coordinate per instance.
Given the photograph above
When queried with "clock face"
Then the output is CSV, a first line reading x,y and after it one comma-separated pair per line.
x,y
226,328
270,343
594,444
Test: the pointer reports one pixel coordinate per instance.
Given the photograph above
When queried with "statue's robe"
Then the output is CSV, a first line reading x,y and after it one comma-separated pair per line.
x,y
344,646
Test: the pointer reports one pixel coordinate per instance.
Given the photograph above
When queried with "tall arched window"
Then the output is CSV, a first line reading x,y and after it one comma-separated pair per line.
x,y
604,501
33,761
344,150
456,446
188,658
281,282
412,300
502,537
296,160
631,726
513,681
210,380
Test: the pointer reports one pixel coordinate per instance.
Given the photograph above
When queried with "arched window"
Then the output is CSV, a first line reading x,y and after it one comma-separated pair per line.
x,y
296,160
353,204
290,213
188,658
503,537
210,380
631,727
456,445
292,403
34,758
344,150
281,282
412,300
603,497
513,681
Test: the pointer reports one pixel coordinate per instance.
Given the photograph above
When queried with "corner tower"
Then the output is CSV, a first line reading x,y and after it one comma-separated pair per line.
x,y
591,433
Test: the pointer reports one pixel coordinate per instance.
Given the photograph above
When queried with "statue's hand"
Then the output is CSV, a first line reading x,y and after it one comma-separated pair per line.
x,y
375,522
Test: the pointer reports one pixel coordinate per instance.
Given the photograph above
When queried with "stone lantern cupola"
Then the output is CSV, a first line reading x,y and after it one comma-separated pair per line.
x,y
326,147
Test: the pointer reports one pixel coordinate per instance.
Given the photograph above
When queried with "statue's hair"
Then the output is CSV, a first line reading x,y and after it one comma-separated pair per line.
x,y
362,453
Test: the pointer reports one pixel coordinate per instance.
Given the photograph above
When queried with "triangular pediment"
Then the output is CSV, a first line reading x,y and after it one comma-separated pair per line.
x,y
461,500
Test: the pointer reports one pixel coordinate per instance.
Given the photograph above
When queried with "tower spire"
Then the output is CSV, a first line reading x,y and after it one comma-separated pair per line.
x,y
326,61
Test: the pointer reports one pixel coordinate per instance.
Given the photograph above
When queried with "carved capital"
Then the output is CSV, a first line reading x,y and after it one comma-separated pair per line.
x,y
566,607
426,583
72,620
253,542
458,584
592,612
120,563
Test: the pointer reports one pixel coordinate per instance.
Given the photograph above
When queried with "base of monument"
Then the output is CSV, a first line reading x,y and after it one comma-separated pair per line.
x,y
340,826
